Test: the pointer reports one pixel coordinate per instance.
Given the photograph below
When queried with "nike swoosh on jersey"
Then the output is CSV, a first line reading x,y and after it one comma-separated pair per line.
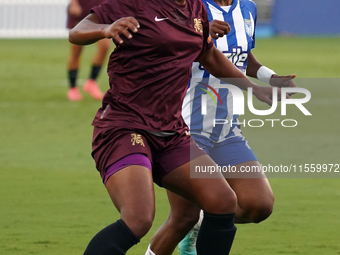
x,y
157,19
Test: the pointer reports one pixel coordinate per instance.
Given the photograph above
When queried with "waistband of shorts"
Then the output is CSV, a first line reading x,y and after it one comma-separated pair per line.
x,y
161,133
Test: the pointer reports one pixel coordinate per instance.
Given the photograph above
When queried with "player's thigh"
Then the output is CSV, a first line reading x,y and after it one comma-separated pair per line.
x,y
242,170
131,190
213,195
243,173
251,191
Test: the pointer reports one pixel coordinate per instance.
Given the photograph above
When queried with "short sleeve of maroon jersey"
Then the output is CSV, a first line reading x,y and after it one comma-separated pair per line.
x,y
207,39
111,10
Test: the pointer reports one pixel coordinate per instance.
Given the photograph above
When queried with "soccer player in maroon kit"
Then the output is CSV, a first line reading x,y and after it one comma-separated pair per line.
x,y
77,10
139,133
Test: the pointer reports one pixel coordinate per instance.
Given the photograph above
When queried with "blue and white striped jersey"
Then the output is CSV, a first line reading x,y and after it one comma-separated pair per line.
x,y
236,45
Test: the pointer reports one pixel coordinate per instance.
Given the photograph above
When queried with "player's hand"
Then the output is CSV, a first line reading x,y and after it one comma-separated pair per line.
x,y
282,81
265,94
218,28
74,9
122,26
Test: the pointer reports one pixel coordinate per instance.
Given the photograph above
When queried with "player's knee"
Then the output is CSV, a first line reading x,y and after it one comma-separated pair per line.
x,y
191,219
144,225
260,211
222,202
140,224
184,221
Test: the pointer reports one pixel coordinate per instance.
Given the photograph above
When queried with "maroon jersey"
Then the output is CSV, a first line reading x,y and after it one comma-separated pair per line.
x,y
149,73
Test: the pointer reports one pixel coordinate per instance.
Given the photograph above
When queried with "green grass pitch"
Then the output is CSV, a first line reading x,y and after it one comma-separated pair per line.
x,y
51,197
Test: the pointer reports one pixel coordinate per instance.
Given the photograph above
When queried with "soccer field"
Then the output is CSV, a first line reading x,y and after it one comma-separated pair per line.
x,y
51,197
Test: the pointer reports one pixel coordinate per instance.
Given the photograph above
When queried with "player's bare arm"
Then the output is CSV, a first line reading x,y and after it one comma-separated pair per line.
x,y
218,65
89,30
218,28
275,80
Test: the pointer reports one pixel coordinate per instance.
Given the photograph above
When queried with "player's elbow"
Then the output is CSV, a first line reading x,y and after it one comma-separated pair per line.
x,y
73,37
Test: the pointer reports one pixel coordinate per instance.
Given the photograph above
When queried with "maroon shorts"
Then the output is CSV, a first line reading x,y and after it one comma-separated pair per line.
x,y
165,153
86,6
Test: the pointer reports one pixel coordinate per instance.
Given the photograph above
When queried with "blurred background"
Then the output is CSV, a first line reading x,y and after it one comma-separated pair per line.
x,y
52,200
46,18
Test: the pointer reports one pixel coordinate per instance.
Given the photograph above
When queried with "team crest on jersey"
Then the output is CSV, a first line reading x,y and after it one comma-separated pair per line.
x,y
137,139
198,25
249,27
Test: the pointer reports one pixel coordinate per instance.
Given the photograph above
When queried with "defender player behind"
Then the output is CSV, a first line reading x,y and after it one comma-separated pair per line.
x,y
232,25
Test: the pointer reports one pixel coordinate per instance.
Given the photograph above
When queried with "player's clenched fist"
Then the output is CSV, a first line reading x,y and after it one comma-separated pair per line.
x,y
218,28
122,26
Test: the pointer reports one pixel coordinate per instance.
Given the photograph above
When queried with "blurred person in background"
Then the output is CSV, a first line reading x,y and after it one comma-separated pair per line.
x,y
77,10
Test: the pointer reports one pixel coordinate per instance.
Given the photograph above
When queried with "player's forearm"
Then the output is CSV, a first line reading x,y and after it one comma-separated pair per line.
x,y
87,32
256,70
218,65
253,66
